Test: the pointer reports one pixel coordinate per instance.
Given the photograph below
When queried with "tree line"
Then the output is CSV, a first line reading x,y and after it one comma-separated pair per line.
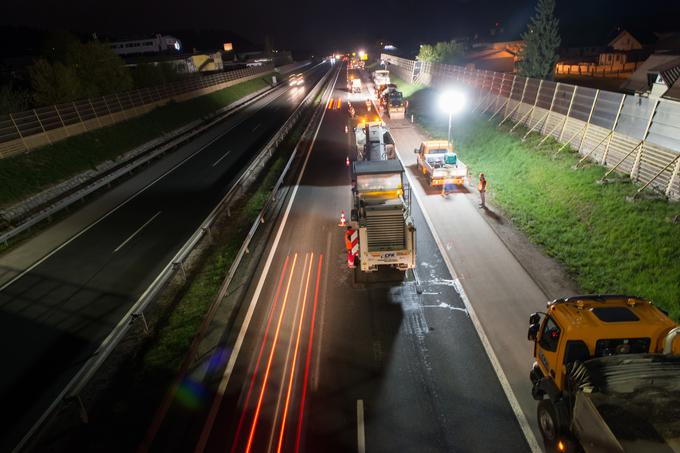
x,y
537,57
69,69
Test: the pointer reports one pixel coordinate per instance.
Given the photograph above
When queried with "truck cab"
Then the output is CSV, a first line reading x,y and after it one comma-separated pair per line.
x,y
438,162
579,343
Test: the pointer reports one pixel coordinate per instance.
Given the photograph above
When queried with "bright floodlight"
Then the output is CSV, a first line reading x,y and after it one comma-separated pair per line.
x,y
361,53
452,101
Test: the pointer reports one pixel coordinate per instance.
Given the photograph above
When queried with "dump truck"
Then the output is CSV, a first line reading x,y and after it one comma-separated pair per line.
x,y
440,164
606,375
381,214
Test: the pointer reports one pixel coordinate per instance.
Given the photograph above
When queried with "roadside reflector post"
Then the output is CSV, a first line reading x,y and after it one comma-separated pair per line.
x,y
143,318
83,412
347,161
411,118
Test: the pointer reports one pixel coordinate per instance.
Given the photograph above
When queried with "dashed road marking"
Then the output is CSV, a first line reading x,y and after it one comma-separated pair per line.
x,y
136,232
220,159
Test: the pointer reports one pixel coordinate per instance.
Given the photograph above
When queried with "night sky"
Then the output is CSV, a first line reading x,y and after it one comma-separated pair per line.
x,y
328,25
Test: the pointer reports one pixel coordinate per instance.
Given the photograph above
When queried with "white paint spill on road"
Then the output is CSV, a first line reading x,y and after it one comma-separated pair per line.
x,y
448,306
443,281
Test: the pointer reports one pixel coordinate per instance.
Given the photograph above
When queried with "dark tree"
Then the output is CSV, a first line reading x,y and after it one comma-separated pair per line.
x,y
72,70
541,41
442,52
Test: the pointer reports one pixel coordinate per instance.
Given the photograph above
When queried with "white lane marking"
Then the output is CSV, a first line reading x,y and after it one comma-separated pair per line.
x,y
322,314
361,434
220,159
256,127
495,363
143,189
275,425
136,232
229,369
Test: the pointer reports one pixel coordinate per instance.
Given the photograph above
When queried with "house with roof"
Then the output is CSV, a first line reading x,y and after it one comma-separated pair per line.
x,y
628,47
495,56
657,77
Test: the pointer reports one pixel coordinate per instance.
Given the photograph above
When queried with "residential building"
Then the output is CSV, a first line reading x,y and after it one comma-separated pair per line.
x,y
495,56
657,77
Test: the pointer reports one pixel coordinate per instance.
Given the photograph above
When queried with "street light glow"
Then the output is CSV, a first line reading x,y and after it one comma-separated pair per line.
x,y
452,101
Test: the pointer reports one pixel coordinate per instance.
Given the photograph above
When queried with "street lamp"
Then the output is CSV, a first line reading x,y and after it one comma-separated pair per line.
x,y
451,102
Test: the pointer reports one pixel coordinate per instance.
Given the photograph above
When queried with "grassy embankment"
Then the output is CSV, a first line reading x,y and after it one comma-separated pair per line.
x,y
608,244
27,174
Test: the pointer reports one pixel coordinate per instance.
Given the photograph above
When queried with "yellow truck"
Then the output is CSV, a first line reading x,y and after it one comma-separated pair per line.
x,y
606,375
439,164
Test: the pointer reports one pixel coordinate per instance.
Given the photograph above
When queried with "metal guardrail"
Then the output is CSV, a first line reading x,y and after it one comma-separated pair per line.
x,y
147,152
22,131
72,390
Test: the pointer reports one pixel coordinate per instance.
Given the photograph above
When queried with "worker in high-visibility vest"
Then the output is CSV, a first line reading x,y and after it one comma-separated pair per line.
x,y
348,245
481,187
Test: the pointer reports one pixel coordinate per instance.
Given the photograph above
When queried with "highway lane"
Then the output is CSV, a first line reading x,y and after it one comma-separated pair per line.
x,y
56,314
328,363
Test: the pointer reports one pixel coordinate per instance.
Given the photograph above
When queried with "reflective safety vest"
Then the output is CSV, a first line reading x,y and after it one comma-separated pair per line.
x,y
348,239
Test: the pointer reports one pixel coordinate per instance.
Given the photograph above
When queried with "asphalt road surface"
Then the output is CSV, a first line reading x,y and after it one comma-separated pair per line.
x,y
56,314
326,363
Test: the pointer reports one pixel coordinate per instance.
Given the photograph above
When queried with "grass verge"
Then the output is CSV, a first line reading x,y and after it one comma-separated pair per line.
x,y
26,174
608,244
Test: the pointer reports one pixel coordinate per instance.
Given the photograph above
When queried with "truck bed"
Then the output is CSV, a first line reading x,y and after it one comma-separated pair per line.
x,y
634,398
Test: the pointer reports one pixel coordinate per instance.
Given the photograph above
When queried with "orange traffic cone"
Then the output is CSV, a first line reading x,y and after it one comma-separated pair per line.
x,y
343,221
347,161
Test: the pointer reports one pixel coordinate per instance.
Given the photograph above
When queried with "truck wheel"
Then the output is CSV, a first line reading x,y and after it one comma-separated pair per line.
x,y
547,422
